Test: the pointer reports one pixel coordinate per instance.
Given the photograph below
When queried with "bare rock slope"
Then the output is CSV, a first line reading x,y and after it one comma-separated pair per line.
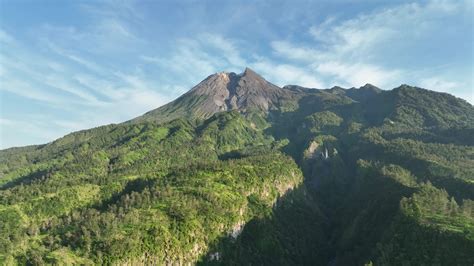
x,y
222,92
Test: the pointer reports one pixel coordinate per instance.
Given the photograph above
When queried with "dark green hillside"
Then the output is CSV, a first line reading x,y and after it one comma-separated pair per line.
x,y
241,172
378,163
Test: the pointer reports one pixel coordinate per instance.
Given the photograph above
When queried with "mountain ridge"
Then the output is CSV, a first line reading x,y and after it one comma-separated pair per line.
x,y
177,108
247,91
240,171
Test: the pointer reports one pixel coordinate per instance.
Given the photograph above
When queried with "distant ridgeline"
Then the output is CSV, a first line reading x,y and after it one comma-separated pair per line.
x,y
240,171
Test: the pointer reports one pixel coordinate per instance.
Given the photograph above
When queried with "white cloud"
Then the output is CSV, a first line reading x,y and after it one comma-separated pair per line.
x,y
109,28
357,74
5,122
115,28
27,90
194,59
12,129
284,74
439,84
75,58
226,48
384,28
38,78
125,10
5,37
150,59
443,85
356,51
320,31
290,51
87,92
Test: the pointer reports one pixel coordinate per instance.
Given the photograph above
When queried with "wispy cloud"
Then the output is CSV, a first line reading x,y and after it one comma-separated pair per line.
x,y
14,132
363,49
285,74
193,59
225,47
90,65
347,74
116,9
91,93
453,87
438,84
120,59
24,89
291,51
5,37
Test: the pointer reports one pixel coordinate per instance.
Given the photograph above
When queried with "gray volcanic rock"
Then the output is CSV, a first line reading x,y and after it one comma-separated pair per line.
x,y
222,92
229,91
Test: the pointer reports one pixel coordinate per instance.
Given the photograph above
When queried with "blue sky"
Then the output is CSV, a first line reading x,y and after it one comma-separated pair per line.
x,y
71,65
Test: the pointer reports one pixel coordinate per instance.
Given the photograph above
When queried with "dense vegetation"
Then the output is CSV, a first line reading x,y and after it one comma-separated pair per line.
x,y
388,180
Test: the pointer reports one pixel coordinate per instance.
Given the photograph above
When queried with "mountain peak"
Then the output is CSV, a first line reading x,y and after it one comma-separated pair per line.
x,y
225,91
369,86
239,92
248,72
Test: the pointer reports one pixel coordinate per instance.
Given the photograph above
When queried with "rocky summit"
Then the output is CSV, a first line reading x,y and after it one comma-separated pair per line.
x,y
223,92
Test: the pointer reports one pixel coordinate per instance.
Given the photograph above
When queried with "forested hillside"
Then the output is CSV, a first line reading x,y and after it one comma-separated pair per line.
x,y
240,171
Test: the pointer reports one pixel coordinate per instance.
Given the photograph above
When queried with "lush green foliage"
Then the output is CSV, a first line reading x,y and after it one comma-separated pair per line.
x,y
388,179
141,192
